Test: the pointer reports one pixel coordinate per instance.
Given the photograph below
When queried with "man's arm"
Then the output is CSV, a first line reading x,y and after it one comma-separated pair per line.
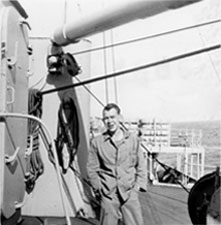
x,y
141,169
93,166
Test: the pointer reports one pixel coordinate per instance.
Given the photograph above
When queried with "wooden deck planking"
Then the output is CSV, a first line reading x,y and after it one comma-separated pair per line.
x,y
161,205
164,205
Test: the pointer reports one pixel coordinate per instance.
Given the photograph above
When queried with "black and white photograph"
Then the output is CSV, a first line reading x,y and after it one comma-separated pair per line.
x,y
110,112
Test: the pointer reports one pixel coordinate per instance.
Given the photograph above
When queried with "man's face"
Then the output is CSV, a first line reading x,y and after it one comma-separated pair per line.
x,y
111,120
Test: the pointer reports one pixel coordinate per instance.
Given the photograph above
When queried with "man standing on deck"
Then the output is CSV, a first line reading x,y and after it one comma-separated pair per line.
x,y
117,171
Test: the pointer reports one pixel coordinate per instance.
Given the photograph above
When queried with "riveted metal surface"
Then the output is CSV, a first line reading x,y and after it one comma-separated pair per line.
x,y
14,99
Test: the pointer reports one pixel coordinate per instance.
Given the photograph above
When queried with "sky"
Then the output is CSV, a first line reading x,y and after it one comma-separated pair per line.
x,y
183,90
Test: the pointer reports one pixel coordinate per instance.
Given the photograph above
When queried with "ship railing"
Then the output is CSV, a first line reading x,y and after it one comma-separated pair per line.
x,y
159,133
185,144
155,133
186,137
187,162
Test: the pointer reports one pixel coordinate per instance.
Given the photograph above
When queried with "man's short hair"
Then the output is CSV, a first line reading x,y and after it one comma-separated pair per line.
x,y
110,106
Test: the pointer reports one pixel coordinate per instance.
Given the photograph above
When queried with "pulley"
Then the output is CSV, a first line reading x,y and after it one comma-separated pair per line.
x,y
70,64
54,64
62,63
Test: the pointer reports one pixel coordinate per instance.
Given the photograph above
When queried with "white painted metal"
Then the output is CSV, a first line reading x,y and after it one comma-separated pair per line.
x,y
13,99
116,14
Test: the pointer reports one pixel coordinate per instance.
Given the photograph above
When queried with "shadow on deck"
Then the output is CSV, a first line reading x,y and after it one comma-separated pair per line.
x,y
161,205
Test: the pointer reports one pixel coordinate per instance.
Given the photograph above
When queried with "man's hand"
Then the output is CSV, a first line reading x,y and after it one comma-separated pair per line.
x,y
138,188
97,194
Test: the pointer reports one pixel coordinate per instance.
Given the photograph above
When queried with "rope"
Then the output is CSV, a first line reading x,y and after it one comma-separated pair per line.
x,y
64,137
56,164
114,67
166,167
67,135
34,163
209,56
148,37
38,82
105,68
88,184
123,72
172,171
90,92
67,131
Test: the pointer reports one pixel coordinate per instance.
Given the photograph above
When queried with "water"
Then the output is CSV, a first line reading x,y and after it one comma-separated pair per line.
x,y
211,140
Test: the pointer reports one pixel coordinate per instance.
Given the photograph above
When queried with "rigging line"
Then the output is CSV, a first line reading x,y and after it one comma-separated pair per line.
x,y
43,86
65,12
163,165
38,82
147,37
91,93
79,182
105,68
56,165
84,182
209,56
166,167
123,72
114,66
68,193
39,38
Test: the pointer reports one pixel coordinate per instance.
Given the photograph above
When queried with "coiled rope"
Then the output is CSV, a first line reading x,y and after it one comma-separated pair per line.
x,y
34,166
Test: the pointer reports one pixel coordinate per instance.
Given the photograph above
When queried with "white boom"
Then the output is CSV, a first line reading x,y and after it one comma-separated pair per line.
x,y
116,14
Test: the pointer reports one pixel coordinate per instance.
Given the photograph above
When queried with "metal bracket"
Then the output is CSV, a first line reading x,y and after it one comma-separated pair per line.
x,y
24,22
3,49
11,158
11,61
11,101
29,150
30,63
19,205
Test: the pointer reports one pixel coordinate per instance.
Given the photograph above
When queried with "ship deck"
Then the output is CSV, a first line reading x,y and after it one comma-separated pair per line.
x,y
165,205
161,205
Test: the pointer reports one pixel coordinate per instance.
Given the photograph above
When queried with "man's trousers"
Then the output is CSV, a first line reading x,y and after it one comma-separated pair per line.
x,y
115,208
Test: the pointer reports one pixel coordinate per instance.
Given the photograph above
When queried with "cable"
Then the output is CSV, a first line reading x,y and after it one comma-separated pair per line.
x,y
65,12
168,167
90,92
105,68
209,56
38,82
114,67
123,72
147,37
58,172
